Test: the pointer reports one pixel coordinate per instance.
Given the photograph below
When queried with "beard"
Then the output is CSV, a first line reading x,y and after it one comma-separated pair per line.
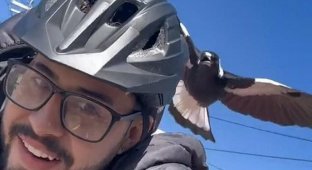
x,y
50,143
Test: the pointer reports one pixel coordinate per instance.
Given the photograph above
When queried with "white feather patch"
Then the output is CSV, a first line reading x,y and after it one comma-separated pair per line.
x,y
184,30
221,72
264,80
189,108
158,131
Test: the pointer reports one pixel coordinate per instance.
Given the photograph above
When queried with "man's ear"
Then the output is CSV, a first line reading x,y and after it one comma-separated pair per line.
x,y
134,134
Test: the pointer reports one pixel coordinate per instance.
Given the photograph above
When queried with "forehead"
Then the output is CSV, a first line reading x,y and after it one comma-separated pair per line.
x,y
70,79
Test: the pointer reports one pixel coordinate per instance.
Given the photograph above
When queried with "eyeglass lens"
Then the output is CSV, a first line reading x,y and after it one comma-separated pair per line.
x,y
81,116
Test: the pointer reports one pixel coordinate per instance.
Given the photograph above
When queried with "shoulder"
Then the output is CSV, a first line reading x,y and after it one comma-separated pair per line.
x,y
166,151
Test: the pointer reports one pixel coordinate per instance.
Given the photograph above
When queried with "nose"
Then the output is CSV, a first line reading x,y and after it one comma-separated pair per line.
x,y
46,121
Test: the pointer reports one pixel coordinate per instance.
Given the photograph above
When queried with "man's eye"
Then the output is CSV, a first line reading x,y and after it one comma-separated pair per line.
x,y
88,109
39,82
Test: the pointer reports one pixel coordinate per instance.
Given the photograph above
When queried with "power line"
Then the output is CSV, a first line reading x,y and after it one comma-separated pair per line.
x,y
263,130
260,155
214,166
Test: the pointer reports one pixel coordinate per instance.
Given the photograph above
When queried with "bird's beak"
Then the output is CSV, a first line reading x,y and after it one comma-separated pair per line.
x,y
206,57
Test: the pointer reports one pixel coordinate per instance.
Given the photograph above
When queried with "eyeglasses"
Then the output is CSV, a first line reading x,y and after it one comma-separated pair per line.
x,y
82,116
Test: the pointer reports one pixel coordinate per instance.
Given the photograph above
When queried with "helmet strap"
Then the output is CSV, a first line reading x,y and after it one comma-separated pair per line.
x,y
146,124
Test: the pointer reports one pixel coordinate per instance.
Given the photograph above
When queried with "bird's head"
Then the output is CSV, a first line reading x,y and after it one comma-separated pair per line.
x,y
211,60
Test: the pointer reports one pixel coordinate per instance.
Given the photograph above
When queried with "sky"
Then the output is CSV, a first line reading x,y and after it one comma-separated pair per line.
x,y
258,38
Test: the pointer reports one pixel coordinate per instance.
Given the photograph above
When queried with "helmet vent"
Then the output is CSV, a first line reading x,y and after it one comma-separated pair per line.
x,y
152,41
123,13
149,46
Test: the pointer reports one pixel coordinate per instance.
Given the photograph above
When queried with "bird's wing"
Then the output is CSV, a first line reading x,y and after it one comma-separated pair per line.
x,y
194,53
189,113
269,101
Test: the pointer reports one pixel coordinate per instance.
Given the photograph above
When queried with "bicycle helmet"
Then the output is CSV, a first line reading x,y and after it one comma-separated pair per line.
x,y
10,45
136,45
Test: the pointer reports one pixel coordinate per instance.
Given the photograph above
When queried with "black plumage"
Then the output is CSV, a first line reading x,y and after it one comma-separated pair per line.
x,y
205,82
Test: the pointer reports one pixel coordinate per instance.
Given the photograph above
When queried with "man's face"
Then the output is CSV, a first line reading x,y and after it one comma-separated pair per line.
x,y
36,140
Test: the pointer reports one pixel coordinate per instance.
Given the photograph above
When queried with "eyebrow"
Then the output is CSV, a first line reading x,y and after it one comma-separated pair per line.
x,y
46,70
99,96
103,98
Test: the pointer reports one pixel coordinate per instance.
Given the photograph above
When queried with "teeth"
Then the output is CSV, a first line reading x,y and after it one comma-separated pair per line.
x,y
38,153
51,158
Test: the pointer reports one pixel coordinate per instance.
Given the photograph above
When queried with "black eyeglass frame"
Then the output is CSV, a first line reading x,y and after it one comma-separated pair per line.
x,y
55,89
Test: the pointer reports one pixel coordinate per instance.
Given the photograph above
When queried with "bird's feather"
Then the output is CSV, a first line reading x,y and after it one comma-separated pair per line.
x,y
194,53
206,82
189,113
269,101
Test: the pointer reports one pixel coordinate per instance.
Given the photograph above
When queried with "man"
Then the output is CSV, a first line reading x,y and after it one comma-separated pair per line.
x,y
92,89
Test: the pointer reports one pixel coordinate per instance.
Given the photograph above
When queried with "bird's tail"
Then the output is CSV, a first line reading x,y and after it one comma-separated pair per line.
x,y
187,112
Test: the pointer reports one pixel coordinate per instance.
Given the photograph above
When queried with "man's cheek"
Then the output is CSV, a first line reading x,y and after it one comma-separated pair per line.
x,y
9,156
5,128
11,115
12,156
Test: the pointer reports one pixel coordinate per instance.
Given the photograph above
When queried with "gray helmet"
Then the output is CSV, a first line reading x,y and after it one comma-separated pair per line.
x,y
133,44
10,45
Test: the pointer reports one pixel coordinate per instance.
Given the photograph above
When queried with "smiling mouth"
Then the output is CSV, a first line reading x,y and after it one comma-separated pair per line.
x,y
38,153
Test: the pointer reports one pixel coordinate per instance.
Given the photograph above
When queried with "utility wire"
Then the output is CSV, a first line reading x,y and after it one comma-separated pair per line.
x,y
260,155
263,130
214,166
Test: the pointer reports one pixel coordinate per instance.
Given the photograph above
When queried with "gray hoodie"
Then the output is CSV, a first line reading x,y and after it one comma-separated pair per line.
x,y
163,152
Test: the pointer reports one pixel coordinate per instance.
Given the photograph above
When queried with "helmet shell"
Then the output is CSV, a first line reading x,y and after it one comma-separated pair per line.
x,y
133,44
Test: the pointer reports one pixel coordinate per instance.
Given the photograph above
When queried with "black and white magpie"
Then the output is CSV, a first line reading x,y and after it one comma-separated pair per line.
x,y
205,82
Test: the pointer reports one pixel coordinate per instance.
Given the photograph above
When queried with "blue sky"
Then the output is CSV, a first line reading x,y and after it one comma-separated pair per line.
x,y
258,38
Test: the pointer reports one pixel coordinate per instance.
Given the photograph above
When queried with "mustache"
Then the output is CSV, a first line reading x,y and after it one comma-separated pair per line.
x,y
50,143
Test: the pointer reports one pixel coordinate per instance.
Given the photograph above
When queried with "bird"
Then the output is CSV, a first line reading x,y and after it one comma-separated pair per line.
x,y
205,82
